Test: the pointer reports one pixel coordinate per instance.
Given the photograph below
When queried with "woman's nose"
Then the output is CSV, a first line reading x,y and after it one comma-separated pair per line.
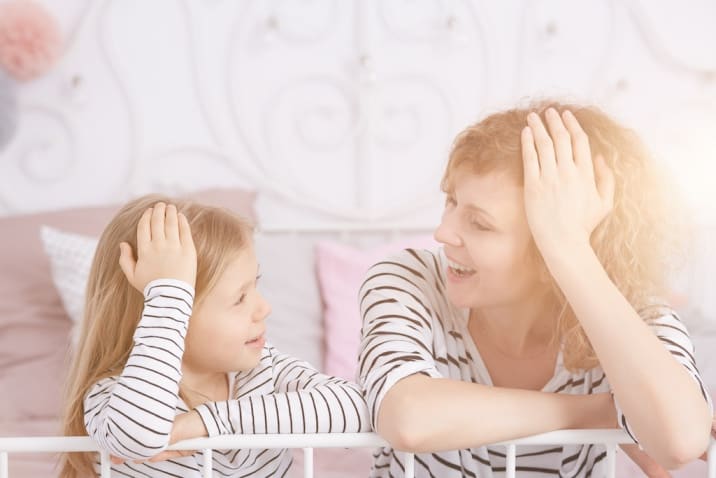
x,y
447,233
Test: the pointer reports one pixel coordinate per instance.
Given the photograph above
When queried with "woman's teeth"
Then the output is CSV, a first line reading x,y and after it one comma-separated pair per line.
x,y
459,269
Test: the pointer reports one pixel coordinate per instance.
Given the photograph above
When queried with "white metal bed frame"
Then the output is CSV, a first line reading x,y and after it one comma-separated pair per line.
x,y
610,438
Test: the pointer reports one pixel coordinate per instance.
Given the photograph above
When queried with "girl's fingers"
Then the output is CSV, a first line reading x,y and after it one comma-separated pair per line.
x,y
144,231
580,144
561,139
157,221
165,455
185,232
171,224
529,156
545,148
126,261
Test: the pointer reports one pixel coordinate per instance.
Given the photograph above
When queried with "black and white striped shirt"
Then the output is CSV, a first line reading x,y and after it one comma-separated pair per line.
x,y
131,415
409,327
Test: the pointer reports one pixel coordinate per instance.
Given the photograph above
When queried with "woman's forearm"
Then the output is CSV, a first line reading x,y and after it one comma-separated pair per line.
x,y
663,403
423,414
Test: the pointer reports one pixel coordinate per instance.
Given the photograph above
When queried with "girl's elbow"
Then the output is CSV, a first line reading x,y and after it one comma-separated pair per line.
x,y
137,446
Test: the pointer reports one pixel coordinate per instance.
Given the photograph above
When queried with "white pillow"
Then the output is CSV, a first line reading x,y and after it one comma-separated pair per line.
x,y
70,261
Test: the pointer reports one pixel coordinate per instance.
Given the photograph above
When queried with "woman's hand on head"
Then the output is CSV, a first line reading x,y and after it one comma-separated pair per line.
x,y
165,248
567,193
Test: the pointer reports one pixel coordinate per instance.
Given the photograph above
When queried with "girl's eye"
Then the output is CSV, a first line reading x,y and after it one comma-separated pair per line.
x,y
241,299
449,201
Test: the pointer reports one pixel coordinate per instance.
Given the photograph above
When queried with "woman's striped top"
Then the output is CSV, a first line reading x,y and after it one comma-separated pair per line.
x,y
410,327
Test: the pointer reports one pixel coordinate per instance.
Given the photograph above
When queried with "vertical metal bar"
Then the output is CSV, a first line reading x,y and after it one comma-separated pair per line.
x,y
3,464
409,465
308,462
105,465
511,461
207,470
611,460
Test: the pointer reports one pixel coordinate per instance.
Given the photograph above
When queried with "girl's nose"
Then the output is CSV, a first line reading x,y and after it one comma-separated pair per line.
x,y
263,310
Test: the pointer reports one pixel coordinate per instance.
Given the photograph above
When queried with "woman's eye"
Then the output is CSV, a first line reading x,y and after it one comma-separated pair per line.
x,y
479,226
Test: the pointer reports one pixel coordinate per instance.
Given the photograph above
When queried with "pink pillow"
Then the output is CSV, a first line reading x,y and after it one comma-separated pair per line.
x,y
341,272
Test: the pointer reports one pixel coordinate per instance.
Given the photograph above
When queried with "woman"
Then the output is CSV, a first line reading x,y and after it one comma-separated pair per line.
x,y
540,312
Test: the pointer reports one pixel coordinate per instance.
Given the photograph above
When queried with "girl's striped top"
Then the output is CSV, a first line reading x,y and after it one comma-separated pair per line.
x,y
131,415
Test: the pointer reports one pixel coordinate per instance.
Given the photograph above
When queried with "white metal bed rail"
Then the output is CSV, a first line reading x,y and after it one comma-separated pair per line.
x,y
610,438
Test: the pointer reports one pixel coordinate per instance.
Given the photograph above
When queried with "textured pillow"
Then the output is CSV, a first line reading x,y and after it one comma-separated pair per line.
x,y
70,261
341,271
34,326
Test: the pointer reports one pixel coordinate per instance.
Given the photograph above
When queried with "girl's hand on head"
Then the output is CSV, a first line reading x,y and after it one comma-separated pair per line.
x,y
165,249
567,194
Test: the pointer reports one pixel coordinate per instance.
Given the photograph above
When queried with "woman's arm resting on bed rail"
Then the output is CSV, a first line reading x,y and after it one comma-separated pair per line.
x,y
660,398
422,414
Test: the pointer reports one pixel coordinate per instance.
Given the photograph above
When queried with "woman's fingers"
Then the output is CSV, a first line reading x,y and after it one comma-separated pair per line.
x,y
605,182
157,221
529,157
580,144
171,224
560,139
544,146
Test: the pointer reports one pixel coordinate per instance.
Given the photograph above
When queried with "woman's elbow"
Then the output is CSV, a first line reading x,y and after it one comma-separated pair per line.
x,y
685,448
400,425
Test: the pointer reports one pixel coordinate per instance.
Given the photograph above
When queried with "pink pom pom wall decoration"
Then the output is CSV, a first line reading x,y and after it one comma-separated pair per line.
x,y
30,39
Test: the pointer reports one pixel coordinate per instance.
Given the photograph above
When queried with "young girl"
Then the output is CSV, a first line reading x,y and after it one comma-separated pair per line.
x,y
173,347
539,312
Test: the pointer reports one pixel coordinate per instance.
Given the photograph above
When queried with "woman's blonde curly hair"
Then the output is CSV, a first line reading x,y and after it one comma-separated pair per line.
x,y
634,243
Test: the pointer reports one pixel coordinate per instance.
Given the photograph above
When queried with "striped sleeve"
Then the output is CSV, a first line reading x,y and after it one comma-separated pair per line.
x,y
304,401
131,415
673,335
397,334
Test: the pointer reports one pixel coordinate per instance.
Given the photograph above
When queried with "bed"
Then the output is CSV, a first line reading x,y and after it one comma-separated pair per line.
x,y
44,259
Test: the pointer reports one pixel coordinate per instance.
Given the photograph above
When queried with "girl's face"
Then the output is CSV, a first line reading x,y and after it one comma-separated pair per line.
x,y
487,242
226,332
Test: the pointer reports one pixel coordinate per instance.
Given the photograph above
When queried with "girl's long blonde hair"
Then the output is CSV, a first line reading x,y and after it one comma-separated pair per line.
x,y
113,307
636,239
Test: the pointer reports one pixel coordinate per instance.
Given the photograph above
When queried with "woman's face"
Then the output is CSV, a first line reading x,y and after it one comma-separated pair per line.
x,y
487,242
